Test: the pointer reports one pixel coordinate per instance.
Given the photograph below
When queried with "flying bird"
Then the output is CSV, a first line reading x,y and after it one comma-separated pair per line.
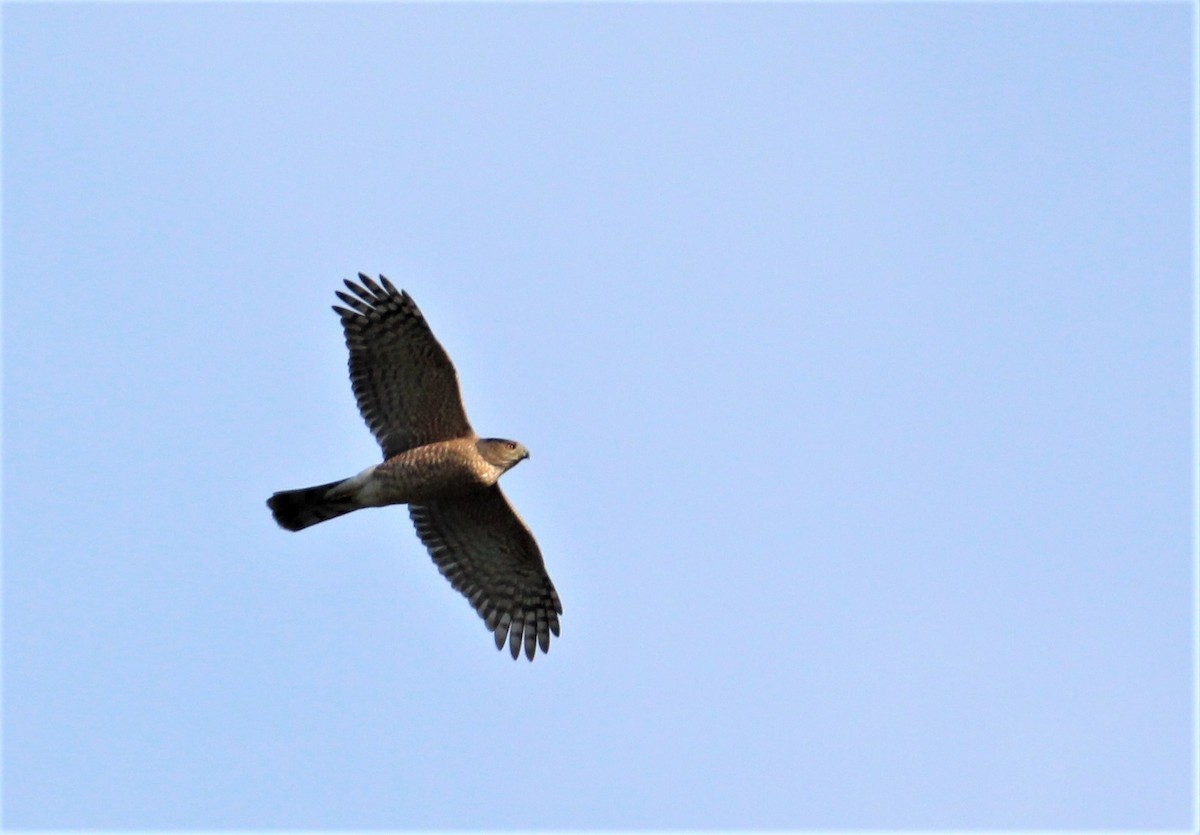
x,y
408,393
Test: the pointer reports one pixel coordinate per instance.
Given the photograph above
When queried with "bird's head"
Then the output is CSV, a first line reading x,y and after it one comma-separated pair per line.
x,y
502,453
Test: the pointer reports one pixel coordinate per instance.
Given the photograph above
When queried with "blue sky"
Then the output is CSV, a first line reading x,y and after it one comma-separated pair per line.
x,y
853,345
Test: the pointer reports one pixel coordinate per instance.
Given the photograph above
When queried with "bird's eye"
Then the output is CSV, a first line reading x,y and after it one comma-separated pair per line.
x,y
510,445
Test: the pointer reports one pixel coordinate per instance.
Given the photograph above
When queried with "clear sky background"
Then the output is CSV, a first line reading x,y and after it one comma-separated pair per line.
x,y
852,344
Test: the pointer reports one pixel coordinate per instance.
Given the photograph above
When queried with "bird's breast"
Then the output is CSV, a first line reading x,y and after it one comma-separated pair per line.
x,y
438,469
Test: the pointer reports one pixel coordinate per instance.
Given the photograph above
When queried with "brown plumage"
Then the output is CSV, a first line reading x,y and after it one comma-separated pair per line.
x,y
407,392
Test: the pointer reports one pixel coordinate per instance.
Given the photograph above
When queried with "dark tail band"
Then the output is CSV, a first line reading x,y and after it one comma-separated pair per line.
x,y
296,510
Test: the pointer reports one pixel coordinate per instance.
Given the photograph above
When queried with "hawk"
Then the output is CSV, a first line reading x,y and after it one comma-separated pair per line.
x,y
408,393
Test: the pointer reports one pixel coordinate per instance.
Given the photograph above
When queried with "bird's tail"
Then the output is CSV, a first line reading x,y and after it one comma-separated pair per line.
x,y
298,509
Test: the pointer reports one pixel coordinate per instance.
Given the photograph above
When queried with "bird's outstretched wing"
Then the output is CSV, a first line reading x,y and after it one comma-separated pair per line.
x,y
405,384
484,549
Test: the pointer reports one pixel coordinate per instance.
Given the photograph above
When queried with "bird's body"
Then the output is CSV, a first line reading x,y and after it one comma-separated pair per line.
x,y
443,468
434,462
